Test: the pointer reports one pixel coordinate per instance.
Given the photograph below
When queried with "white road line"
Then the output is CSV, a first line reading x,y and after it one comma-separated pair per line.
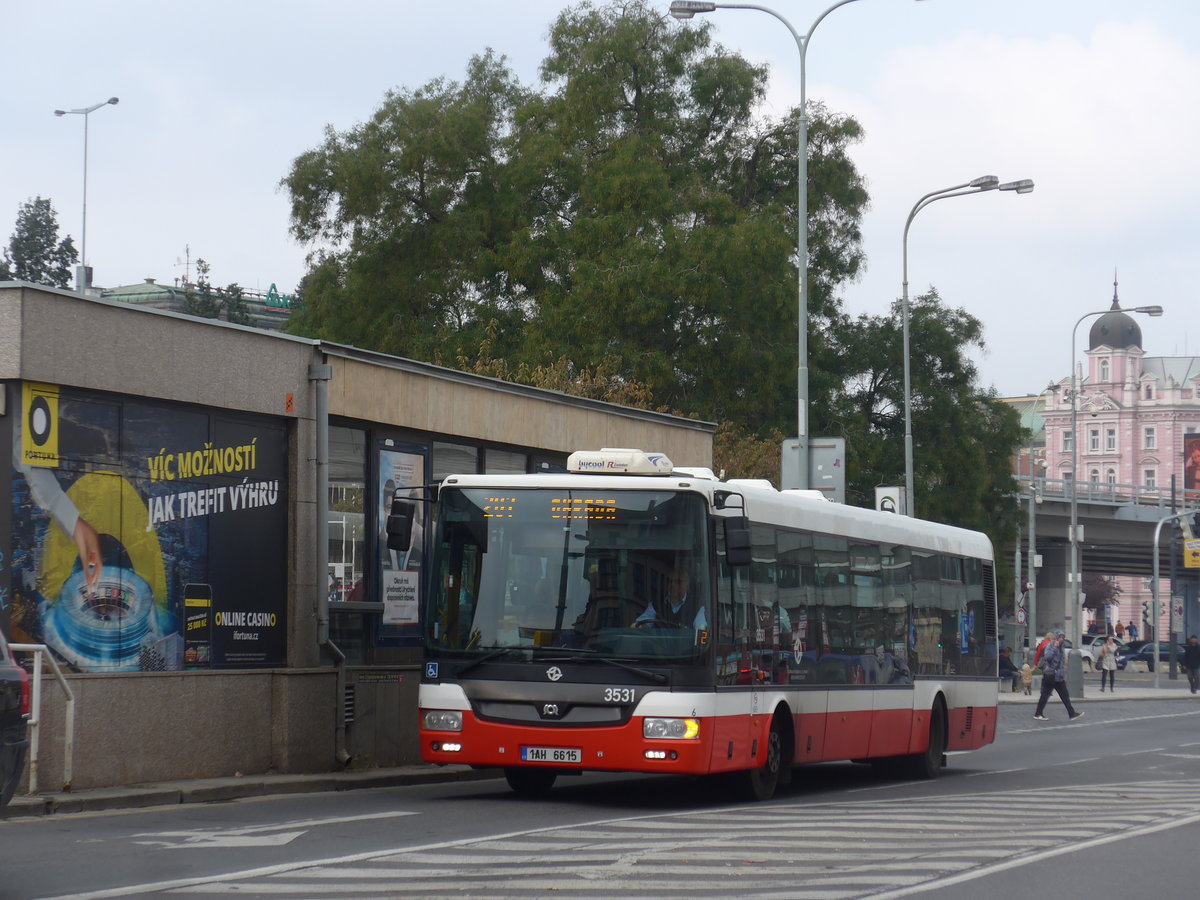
x,y
984,871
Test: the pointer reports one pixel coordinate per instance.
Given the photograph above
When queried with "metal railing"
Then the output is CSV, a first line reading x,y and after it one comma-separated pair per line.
x,y
1117,494
41,654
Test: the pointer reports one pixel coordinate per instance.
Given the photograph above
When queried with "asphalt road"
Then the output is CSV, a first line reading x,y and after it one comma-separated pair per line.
x,y
1047,807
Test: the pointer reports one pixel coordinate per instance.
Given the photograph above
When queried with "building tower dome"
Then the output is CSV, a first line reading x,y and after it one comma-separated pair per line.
x,y
1115,329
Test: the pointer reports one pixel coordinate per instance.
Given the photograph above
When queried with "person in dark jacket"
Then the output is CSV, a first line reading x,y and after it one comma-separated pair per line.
x,y
1008,669
1054,678
1191,662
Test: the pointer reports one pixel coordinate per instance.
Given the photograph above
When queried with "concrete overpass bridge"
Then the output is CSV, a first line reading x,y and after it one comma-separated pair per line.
x,y
1118,539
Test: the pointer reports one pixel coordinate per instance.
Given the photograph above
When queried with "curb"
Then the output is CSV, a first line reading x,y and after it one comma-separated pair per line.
x,y
209,790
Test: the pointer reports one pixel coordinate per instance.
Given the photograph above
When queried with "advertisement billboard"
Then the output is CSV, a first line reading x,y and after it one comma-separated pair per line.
x,y
146,536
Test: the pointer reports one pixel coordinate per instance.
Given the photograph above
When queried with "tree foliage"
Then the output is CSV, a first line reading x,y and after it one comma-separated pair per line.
x,y
633,214
963,436
627,230
208,302
1100,591
34,251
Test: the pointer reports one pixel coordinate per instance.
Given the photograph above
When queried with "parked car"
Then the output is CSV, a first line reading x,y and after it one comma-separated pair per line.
x,y
1094,642
1143,651
1087,654
14,721
1095,646
1089,658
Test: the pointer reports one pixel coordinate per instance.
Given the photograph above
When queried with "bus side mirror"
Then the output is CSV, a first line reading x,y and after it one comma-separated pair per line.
x,y
400,524
737,541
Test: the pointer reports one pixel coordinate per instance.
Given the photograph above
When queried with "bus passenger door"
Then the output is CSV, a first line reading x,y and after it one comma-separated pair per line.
x,y
737,690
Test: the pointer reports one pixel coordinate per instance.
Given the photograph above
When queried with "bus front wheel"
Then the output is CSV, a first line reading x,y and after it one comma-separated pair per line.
x,y
530,782
760,783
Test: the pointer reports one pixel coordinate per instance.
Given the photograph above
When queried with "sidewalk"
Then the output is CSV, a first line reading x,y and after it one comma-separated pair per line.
x,y
1091,693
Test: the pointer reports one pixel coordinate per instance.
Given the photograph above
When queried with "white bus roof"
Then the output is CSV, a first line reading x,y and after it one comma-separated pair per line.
x,y
807,510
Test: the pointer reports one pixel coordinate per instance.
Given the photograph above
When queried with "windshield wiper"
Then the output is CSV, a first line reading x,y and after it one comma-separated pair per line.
x,y
479,660
573,653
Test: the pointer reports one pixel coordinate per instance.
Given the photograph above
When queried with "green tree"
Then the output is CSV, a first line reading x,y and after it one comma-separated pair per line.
x,y
963,435
632,215
34,251
208,302
628,230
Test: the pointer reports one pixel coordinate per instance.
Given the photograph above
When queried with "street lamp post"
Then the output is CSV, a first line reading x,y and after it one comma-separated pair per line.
x,y
977,186
81,280
1074,587
1155,607
685,9
1035,497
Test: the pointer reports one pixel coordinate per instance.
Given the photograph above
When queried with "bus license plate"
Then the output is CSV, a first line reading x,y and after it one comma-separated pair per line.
x,y
552,754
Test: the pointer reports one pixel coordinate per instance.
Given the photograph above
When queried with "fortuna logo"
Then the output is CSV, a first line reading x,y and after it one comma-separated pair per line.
x,y
554,673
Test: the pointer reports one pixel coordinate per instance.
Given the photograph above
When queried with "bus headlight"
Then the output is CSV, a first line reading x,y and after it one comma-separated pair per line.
x,y
443,720
671,729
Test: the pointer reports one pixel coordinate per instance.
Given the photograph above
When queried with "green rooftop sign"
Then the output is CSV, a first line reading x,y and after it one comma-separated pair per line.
x,y
278,300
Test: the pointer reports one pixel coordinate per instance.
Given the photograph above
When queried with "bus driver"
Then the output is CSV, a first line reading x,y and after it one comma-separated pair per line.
x,y
677,610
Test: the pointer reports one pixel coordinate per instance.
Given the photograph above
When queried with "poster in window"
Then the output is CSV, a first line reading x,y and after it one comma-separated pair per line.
x,y
1191,462
403,471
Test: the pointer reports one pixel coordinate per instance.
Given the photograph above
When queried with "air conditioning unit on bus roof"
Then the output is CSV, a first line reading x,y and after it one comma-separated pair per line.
x,y
618,461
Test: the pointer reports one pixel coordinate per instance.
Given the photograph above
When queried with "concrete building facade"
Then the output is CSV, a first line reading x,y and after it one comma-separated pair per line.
x,y
191,524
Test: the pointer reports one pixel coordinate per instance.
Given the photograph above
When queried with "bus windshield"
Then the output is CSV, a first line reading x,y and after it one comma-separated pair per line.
x,y
615,573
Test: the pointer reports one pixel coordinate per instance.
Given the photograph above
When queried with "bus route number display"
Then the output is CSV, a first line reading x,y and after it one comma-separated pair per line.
x,y
499,507
590,508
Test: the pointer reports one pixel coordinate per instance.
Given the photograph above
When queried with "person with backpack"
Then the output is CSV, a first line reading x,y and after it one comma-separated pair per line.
x,y
1041,647
1054,678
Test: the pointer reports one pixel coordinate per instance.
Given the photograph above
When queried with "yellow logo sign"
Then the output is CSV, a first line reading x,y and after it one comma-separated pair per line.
x,y
1191,554
39,424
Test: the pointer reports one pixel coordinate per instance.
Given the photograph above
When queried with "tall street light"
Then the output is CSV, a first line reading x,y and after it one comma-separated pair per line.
x,y
1074,587
1035,497
685,9
1156,609
81,280
978,185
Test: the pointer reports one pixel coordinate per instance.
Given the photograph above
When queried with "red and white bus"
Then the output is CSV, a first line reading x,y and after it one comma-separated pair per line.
x,y
809,630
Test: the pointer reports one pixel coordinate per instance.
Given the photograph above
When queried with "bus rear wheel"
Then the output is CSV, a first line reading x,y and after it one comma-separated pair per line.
x,y
530,782
928,764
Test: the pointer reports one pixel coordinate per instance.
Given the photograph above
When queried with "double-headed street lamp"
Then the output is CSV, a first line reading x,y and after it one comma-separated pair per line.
x,y
81,280
1074,588
685,9
976,186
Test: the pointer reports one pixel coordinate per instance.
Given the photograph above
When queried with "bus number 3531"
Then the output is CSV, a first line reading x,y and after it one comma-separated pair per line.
x,y
619,695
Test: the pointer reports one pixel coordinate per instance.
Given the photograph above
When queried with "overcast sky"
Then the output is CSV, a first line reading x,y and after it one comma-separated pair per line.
x,y
1095,100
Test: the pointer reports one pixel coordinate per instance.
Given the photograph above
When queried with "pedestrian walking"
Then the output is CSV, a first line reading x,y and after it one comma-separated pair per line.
x,y
1132,631
1106,662
1120,631
1054,678
1027,680
1191,662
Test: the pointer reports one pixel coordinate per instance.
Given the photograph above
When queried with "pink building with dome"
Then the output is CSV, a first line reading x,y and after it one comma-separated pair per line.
x,y
1138,419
